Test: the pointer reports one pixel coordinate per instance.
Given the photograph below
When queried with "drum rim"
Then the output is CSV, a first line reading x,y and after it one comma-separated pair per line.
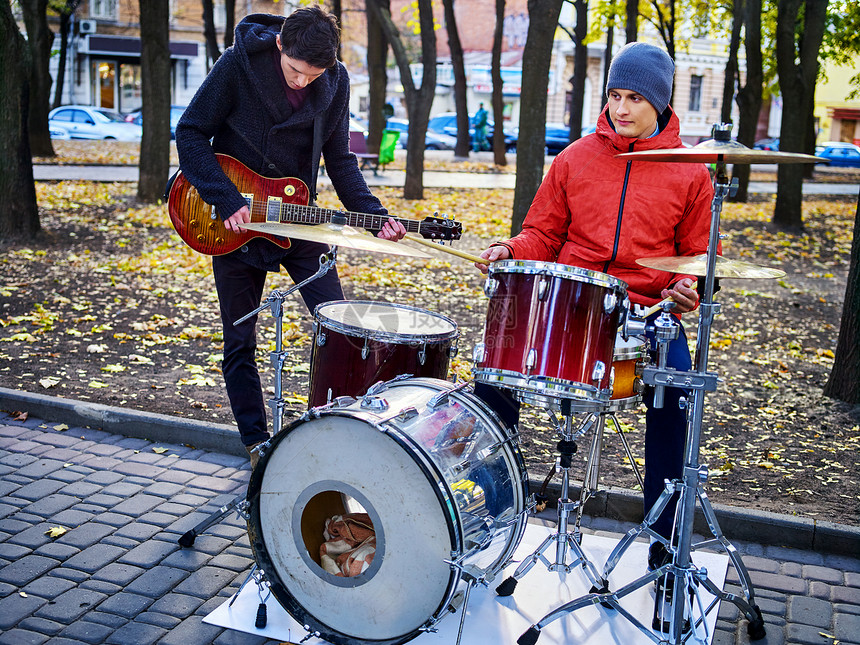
x,y
639,350
362,332
539,385
286,597
564,271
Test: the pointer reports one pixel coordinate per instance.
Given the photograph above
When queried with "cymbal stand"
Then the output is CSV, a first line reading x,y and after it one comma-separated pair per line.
x,y
275,303
688,578
562,537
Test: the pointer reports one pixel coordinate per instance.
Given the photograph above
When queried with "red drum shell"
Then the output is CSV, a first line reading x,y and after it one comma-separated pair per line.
x,y
358,343
548,327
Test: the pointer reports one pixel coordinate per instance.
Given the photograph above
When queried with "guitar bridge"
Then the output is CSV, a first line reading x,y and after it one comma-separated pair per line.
x,y
273,209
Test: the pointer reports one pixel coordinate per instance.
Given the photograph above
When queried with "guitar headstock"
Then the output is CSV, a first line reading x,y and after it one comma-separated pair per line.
x,y
440,228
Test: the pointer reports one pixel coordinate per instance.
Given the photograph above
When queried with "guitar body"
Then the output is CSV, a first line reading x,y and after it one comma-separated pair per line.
x,y
203,230
284,200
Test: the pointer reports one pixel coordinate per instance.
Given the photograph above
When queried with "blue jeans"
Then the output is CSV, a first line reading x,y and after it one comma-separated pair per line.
x,y
240,291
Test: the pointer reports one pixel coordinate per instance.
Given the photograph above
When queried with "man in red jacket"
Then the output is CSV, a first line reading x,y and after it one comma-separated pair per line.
x,y
602,213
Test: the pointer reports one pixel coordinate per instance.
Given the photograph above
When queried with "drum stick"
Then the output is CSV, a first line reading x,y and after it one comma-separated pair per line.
x,y
654,308
447,249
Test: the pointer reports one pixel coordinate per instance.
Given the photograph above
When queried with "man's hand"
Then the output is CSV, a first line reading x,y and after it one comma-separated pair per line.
x,y
491,255
235,221
684,295
392,231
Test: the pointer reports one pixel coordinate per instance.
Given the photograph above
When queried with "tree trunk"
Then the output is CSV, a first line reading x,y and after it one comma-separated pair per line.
x,y
209,34
461,105
66,14
731,74
844,381
537,54
155,79
499,157
607,60
39,39
377,62
337,10
580,69
797,66
230,22
632,24
19,217
749,96
418,100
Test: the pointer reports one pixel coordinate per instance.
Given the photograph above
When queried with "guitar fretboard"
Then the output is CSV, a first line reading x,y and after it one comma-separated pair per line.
x,y
301,214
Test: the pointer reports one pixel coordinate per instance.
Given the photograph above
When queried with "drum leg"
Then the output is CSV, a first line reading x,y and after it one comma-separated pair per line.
x,y
620,432
591,479
563,539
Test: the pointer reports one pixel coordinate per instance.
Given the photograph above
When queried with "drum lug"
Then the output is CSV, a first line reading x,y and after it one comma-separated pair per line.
x,y
491,285
321,339
543,287
453,350
374,403
478,353
365,350
610,301
422,355
406,414
531,359
599,371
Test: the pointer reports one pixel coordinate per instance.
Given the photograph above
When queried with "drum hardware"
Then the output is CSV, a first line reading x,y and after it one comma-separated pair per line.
x,y
563,539
275,303
688,578
725,267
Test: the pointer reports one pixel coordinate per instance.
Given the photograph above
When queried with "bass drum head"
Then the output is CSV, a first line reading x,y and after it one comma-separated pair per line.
x,y
308,470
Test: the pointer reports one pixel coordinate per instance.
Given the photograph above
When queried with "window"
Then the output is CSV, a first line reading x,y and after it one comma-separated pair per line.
x,y
104,9
695,93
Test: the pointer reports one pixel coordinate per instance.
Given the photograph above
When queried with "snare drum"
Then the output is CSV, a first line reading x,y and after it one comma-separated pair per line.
x,y
442,481
627,360
358,343
550,331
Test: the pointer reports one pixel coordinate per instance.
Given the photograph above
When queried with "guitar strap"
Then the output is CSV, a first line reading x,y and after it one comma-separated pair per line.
x,y
317,151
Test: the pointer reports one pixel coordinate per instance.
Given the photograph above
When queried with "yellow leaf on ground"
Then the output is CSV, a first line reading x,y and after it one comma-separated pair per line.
x,y
49,381
61,427
56,531
98,384
159,450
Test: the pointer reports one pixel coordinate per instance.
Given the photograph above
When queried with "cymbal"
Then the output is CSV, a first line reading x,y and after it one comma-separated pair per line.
x,y
697,265
713,151
336,235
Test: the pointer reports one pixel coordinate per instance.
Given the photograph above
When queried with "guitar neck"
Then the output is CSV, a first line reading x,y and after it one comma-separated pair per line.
x,y
302,214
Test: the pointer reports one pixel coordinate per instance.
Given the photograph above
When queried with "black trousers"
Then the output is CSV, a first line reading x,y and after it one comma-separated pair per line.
x,y
240,291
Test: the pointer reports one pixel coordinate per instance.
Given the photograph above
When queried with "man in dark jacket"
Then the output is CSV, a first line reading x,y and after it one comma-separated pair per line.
x,y
274,100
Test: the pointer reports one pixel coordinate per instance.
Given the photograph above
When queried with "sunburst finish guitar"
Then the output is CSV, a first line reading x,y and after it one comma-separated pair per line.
x,y
282,200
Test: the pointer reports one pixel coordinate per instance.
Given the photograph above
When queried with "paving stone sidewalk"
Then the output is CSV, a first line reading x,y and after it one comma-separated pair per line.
x,y
118,576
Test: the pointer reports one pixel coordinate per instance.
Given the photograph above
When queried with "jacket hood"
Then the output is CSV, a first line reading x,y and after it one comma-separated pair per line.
x,y
668,137
253,47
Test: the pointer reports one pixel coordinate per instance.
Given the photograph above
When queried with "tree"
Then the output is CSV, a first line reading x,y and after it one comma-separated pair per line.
x,y
844,381
749,97
66,12
632,23
337,12
39,39
420,99
209,33
377,63
155,78
543,19
799,33
463,145
580,68
499,157
18,216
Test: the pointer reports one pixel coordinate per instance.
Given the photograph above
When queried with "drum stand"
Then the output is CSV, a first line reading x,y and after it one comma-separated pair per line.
x,y
688,578
275,303
562,537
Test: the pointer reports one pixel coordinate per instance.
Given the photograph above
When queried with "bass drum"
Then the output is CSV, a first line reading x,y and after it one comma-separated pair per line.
x,y
441,480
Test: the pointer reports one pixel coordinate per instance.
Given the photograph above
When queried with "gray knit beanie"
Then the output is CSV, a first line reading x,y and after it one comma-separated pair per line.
x,y
645,69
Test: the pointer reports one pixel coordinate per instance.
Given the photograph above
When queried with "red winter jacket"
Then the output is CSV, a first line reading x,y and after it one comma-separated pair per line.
x,y
601,213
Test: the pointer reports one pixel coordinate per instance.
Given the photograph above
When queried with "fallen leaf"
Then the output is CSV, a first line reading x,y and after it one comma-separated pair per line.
x,y
56,531
49,381
61,427
159,450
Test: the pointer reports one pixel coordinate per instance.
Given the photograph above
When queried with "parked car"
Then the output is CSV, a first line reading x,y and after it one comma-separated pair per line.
x,y
767,144
843,155
88,122
176,111
432,140
558,136
57,132
446,123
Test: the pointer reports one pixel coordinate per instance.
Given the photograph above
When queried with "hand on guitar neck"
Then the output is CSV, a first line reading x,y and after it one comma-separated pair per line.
x,y
392,230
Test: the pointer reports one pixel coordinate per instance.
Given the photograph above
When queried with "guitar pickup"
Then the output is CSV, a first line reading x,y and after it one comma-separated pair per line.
x,y
273,209
249,198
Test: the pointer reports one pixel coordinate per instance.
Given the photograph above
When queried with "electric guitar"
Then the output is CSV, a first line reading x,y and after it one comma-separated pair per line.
x,y
282,200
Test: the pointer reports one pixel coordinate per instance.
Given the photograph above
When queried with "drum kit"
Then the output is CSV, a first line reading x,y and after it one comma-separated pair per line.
x,y
436,473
